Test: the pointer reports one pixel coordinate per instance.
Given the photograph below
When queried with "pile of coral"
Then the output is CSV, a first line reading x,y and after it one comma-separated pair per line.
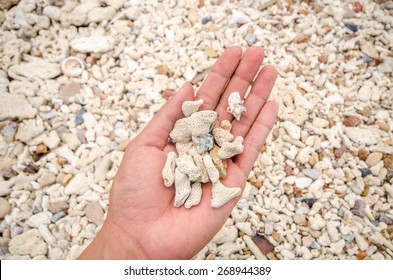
x,y
204,148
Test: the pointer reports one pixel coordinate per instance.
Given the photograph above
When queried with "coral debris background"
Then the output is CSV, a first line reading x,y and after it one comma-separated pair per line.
x,y
322,186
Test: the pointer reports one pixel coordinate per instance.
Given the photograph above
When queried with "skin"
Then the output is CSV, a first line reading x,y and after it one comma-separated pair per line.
x,y
142,222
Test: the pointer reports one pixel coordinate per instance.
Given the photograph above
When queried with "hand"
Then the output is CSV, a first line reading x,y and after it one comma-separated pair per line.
x,y
142,221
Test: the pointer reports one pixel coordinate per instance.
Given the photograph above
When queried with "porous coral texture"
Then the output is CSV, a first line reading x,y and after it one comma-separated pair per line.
x,y
183,188
230,149
190,107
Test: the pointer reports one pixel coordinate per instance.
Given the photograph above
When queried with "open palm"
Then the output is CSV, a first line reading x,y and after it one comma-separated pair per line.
x,y
142,221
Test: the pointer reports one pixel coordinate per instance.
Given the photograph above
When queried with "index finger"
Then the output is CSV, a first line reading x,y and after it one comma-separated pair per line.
x,y
216,81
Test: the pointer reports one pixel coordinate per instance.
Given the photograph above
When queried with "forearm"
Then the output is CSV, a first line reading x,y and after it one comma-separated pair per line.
x,y
110,244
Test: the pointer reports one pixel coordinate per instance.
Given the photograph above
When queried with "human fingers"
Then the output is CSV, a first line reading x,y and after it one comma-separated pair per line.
x,y
256,136
215,82
257,98
157,131
241,79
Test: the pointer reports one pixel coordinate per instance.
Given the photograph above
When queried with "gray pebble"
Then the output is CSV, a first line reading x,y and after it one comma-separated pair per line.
x,y
250,38
315,245
359,209
79,116
311,173
203,143
385,219
206,19
348,237
9,130
310,202
57,216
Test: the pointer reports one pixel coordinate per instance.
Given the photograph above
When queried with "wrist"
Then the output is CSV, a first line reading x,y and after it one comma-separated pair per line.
x,y
112,244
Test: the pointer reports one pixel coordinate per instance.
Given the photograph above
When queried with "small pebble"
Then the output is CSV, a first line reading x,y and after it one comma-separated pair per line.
x,y
385,219
374,158
315,245
365,171
310,202
303,182
388,161
57,216
250,38
79,116
206,19
359,208
5,207
351,121
263,244
340,151
9,130
352,27
311,173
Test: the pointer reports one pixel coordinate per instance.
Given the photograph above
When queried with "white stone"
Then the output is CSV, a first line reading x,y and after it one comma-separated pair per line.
x,y
304,155
101,13
382,115
377,256
29,129
5,207
292,129
15,106
226,234
254,248
332,231
317,222
337,247
238,18
245,227
89,120
42,218
365,93
306,254
28,243
37,69
92,44
288,255
324,239
321,123
52,12
52,140
361,242
389,189
362,136
273,217
77,185
303,182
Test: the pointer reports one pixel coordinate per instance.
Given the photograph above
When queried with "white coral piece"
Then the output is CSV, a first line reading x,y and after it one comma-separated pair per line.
x,y
235,105
204,178
186,165
222,194
221,136
183,188
190,107
230,149
212,171
168,172
195,195
197,124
